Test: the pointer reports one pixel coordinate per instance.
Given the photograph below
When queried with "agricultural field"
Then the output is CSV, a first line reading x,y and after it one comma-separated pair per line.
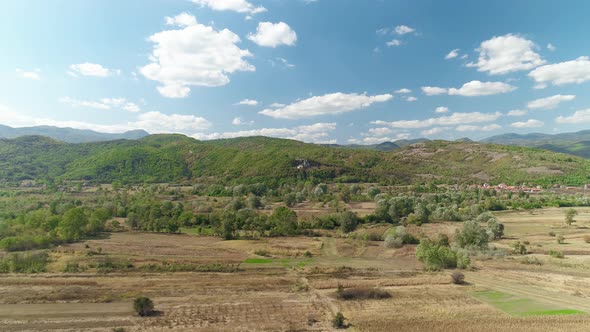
x,y
203,283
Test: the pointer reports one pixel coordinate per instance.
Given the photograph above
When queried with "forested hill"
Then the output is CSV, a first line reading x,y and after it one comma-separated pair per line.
x,y
177,158
69,135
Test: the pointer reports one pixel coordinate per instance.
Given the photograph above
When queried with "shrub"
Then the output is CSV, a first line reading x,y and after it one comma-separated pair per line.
x,y
552,234
556,254
458,278
24,262
519,248
338,321
437,257
393,242
363,293
569,216
472,236
531,261
143,306
560,239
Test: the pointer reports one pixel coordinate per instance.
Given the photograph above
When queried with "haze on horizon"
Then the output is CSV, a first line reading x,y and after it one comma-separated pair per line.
x,y
297,69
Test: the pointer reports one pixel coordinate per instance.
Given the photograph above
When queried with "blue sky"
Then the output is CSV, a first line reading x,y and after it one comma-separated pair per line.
x,y
337,71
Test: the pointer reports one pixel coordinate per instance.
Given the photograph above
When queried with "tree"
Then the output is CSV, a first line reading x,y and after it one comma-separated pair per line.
x,y
348,222
495,229
143,306
569,216
338,321
284,220
472,236
71,227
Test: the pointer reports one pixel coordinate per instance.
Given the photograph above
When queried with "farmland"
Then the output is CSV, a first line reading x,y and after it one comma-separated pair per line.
x,y
203,283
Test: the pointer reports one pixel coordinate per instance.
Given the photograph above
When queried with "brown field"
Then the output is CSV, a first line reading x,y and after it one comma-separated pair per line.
x,y
287,291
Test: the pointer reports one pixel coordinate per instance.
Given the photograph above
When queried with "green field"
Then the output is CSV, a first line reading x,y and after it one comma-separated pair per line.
x,y
518,306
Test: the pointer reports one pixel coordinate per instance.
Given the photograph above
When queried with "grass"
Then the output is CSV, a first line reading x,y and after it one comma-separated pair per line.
x,y
518,306
258,261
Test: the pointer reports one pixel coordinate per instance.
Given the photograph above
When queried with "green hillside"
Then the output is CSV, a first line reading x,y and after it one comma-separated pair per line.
x,y
177,158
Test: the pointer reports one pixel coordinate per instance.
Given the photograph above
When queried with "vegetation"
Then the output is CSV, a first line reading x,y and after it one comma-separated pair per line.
x,y
438,256
569,216
143,306
339,321
457,278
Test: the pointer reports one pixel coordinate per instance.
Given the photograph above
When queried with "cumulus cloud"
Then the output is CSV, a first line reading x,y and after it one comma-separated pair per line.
x,y
452,54
471,89
434,131
240,6
329,104
153,122
273,34
316,133
411,98
506,54
530,123
441,109
91,69
403,29
247,102
181,20
517,113
568,72
549,102
490,127
394,43
550,47
277,105
239,122
103,104
581,116
403,91
194,55
31,75
450,120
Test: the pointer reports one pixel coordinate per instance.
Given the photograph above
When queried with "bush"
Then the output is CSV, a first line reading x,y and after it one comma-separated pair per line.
x,y
556,254
472,236
338,321
24,262
531,261
560,239
361,294
458,278
437,257
519,248
552,234
393,242
143,306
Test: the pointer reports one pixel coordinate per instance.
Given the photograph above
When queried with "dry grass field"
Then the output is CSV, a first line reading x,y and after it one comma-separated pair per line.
x,y
289,284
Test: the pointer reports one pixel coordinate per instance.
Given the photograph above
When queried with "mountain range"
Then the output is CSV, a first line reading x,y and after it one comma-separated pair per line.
x,y
69,135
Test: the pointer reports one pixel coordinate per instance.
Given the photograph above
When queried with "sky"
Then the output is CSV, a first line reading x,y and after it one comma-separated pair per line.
x,y
321,71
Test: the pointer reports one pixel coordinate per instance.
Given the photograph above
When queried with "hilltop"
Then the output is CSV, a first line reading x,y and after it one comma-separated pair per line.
x,y
69,135
577,143
177,158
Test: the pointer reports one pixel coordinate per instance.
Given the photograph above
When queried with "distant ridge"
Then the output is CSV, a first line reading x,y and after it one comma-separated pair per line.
x,y
69,135
577,143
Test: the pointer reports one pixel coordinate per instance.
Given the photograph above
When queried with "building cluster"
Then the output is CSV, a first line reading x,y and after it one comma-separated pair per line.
x,y
514,189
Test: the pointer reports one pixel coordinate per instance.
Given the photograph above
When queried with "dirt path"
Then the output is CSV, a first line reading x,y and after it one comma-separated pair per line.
x,y
512,286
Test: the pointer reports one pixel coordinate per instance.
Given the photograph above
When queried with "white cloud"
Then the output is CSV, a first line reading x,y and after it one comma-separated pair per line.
x,y
530,123
490,127
156,121
411,98
91,69
277,105
433,90
403,29
181,20
433,131
550,47
240,6
441,109
273,34
247,102
549,102
403,91
381,131
329,104
153,122
581,116
575,71
378,140
103,104
517,113
281,62
471,89
393,42
452,54
239,122
195,55
506,54
316,133
31,75
453,119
